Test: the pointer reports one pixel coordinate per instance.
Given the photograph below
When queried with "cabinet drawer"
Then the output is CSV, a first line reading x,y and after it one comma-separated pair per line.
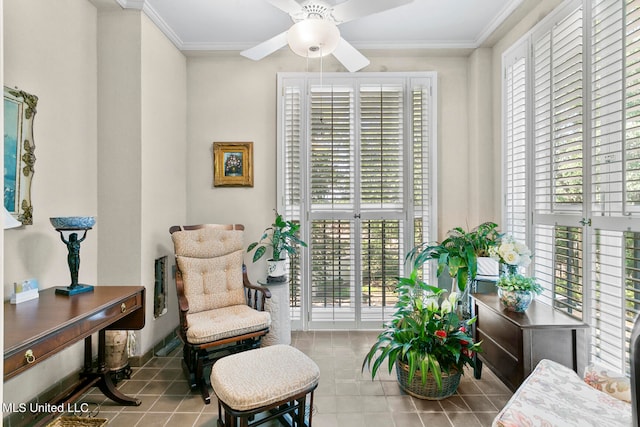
x,y
502,332
505,365
38,351
118,311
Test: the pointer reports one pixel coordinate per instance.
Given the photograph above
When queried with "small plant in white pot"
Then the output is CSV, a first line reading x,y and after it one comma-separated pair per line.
x,y
283,239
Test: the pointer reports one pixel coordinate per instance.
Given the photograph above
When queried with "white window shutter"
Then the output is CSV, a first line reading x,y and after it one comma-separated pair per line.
x,y
515,140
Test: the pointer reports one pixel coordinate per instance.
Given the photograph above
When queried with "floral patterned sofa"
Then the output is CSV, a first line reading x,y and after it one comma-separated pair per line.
x,y
554,395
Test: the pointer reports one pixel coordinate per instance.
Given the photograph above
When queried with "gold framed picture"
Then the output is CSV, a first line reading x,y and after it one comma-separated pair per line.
x,y
233,164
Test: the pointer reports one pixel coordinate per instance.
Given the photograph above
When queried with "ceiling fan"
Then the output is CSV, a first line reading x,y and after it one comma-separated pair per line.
x,y
315,32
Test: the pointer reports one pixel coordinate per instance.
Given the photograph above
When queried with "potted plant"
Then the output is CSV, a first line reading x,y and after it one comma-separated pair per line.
x,y
426,340
458,252
283,239
517,291
483,238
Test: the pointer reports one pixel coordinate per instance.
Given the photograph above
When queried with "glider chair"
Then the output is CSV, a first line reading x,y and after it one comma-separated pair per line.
x,y
221,312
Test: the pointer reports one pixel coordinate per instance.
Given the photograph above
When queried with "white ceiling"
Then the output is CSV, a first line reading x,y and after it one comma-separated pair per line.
x,y
240,24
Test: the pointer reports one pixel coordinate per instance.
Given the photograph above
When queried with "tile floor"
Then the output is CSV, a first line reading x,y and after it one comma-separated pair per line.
x,y
344,397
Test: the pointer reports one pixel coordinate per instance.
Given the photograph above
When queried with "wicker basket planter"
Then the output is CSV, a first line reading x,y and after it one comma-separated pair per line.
x,y
429,390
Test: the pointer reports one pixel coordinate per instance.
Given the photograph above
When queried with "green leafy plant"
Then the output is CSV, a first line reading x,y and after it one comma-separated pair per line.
x,y
458,252
425,333
518,282
281,236
483,238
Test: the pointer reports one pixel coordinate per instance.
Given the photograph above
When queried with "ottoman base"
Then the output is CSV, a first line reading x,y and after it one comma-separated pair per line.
x,y
290,412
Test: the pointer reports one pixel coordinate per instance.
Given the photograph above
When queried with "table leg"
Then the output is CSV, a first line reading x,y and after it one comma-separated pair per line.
x,y
87,354
105,383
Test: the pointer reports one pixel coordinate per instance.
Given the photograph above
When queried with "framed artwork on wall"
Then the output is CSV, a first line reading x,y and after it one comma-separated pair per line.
x,y
233,164
19,157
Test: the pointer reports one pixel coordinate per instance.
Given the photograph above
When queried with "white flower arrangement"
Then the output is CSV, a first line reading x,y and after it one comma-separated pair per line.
x,y
512,253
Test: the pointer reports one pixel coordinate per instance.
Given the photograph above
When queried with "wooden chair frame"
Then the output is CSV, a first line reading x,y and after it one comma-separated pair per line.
x,y
196,357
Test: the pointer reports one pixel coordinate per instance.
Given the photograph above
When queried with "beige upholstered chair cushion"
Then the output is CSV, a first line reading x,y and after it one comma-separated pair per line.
x,y
213,325
210,261
206,242
212,283
257,378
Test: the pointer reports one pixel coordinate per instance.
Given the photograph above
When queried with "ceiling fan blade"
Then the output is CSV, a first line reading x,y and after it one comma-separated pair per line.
x,y
349,56
354,9
289,6
266,48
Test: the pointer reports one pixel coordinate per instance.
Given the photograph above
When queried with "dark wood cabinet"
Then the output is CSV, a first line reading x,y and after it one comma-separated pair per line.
x,y
514,343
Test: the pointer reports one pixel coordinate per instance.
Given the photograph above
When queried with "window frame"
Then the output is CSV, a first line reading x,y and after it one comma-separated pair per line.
x,y
608,265
408,80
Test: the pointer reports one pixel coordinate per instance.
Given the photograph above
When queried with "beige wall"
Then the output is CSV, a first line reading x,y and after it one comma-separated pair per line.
x,y
50,51
484,178
110,87
119,146
163,164
142,152
233,99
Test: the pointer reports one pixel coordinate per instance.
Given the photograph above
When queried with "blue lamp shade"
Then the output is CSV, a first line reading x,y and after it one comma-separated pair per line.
x,y
10,221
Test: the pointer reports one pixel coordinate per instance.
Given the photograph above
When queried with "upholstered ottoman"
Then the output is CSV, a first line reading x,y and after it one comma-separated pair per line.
x,y
275,379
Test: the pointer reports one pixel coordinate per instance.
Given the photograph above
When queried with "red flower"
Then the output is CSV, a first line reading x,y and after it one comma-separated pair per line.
x,y
441,334
462,329
464,342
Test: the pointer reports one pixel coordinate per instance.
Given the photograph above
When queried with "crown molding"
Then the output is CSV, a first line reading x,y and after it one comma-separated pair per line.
x,y
166,29
497,21
162,25
132,4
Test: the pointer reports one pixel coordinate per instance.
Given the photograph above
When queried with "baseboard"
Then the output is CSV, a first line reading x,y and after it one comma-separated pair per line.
x,y
138,361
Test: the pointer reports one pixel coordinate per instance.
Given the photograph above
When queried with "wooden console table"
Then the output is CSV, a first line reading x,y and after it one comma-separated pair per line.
x,y
36,330
514,343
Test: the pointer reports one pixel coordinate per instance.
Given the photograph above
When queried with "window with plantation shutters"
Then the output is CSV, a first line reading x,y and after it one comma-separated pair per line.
x,y
381,147
583,127
422,130
289,181
332,147
558,117
615,178
354,161
515,154
557,136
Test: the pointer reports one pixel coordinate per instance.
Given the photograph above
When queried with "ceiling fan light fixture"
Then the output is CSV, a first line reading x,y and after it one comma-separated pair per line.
x,y
313,38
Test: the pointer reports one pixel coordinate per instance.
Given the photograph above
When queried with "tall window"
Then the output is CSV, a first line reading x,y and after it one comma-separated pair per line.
x,y
355,166
581,152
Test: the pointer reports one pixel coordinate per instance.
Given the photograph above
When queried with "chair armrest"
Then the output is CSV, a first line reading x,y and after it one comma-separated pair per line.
x,y
183,305
256,294
263,289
